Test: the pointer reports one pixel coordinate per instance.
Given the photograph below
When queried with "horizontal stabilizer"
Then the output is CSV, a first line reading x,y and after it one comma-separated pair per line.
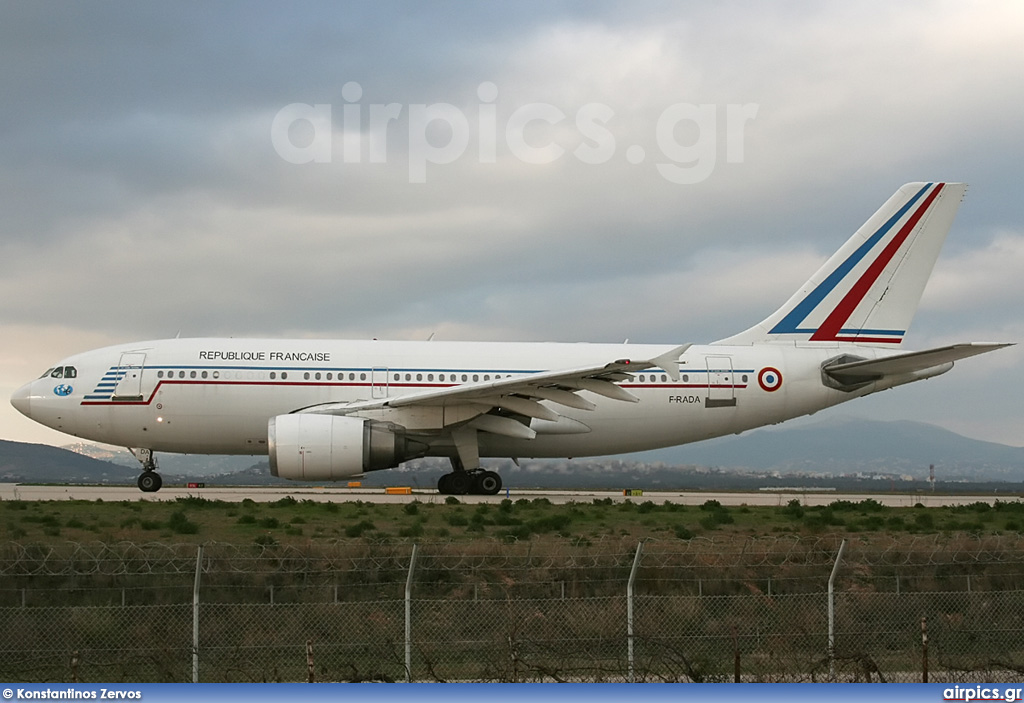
x,y
871,369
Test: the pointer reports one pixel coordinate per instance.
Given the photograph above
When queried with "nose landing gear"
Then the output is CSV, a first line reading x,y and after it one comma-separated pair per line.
x,y
149,481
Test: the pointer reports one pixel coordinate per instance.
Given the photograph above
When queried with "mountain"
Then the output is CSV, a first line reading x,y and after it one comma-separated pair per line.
x,y
179,464
40,463
841,445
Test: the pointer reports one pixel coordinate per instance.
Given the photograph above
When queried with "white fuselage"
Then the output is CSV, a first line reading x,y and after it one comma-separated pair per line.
x,y
215,396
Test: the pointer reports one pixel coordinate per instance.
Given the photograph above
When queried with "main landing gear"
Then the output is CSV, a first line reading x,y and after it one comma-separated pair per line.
x,y
474,481
149,480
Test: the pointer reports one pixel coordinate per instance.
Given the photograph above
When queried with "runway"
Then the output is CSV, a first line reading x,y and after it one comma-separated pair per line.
x,y
13,491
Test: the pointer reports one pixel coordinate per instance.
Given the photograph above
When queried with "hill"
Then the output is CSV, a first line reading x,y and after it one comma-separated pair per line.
x,y
20,462
843,445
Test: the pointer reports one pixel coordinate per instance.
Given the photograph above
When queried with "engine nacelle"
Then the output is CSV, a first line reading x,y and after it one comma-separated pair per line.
x,y
311,447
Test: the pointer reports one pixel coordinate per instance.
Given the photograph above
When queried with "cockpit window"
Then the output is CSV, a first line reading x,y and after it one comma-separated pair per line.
x,y
61,372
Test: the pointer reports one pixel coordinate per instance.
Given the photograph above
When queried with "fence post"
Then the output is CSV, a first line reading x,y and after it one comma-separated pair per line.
x,y
629,608
832,612
408,616
195,616
736,677
924,649
310,671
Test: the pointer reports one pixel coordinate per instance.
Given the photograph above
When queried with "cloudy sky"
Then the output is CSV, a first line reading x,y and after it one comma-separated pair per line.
x,y
566,171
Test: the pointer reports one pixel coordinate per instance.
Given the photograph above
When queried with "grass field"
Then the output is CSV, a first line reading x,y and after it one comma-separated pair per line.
x,y
503,591
290,521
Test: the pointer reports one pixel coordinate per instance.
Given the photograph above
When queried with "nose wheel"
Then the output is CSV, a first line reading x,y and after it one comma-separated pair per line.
x,y
149,481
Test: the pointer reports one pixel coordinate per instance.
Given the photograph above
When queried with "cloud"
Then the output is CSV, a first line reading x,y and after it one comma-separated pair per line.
x,y
142,194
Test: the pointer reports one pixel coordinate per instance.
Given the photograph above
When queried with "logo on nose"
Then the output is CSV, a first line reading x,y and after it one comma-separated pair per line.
x,y
63,389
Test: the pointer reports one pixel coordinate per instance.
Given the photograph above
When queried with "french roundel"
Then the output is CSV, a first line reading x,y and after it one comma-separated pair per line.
x,y
769,379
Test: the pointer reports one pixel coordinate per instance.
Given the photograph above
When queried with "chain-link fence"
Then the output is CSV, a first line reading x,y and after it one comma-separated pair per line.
x,y
675,610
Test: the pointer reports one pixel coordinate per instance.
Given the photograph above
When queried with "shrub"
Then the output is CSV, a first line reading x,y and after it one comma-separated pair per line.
x,y
358,528
549,523
413,530
458,520
794,509
924,521
682,532
180,524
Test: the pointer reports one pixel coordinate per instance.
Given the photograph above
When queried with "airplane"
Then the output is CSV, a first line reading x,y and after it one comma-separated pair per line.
x,y
334,410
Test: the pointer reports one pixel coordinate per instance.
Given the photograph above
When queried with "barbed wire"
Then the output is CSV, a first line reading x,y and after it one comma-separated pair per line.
x,y
389,560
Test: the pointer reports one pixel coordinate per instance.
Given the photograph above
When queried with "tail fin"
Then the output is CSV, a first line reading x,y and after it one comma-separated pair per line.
x,y
868,291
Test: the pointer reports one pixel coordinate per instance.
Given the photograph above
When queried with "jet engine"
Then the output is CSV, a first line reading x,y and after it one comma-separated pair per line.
x,y
311,447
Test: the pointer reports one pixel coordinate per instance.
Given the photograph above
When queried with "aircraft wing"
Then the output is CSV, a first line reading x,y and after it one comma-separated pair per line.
x,y
522,394
912,362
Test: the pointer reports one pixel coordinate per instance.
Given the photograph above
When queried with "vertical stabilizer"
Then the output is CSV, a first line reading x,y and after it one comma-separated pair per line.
x,y
868,291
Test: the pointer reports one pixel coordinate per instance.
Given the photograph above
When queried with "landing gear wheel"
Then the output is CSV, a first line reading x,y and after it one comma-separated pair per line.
x,y
487,483
150,482
444,485
459,483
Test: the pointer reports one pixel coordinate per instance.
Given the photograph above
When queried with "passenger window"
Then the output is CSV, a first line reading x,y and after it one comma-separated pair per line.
x,y
330,376
159,374
57,372
205,374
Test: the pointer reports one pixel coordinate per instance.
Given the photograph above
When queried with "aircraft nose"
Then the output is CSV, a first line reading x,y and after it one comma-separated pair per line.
x,y
22,400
